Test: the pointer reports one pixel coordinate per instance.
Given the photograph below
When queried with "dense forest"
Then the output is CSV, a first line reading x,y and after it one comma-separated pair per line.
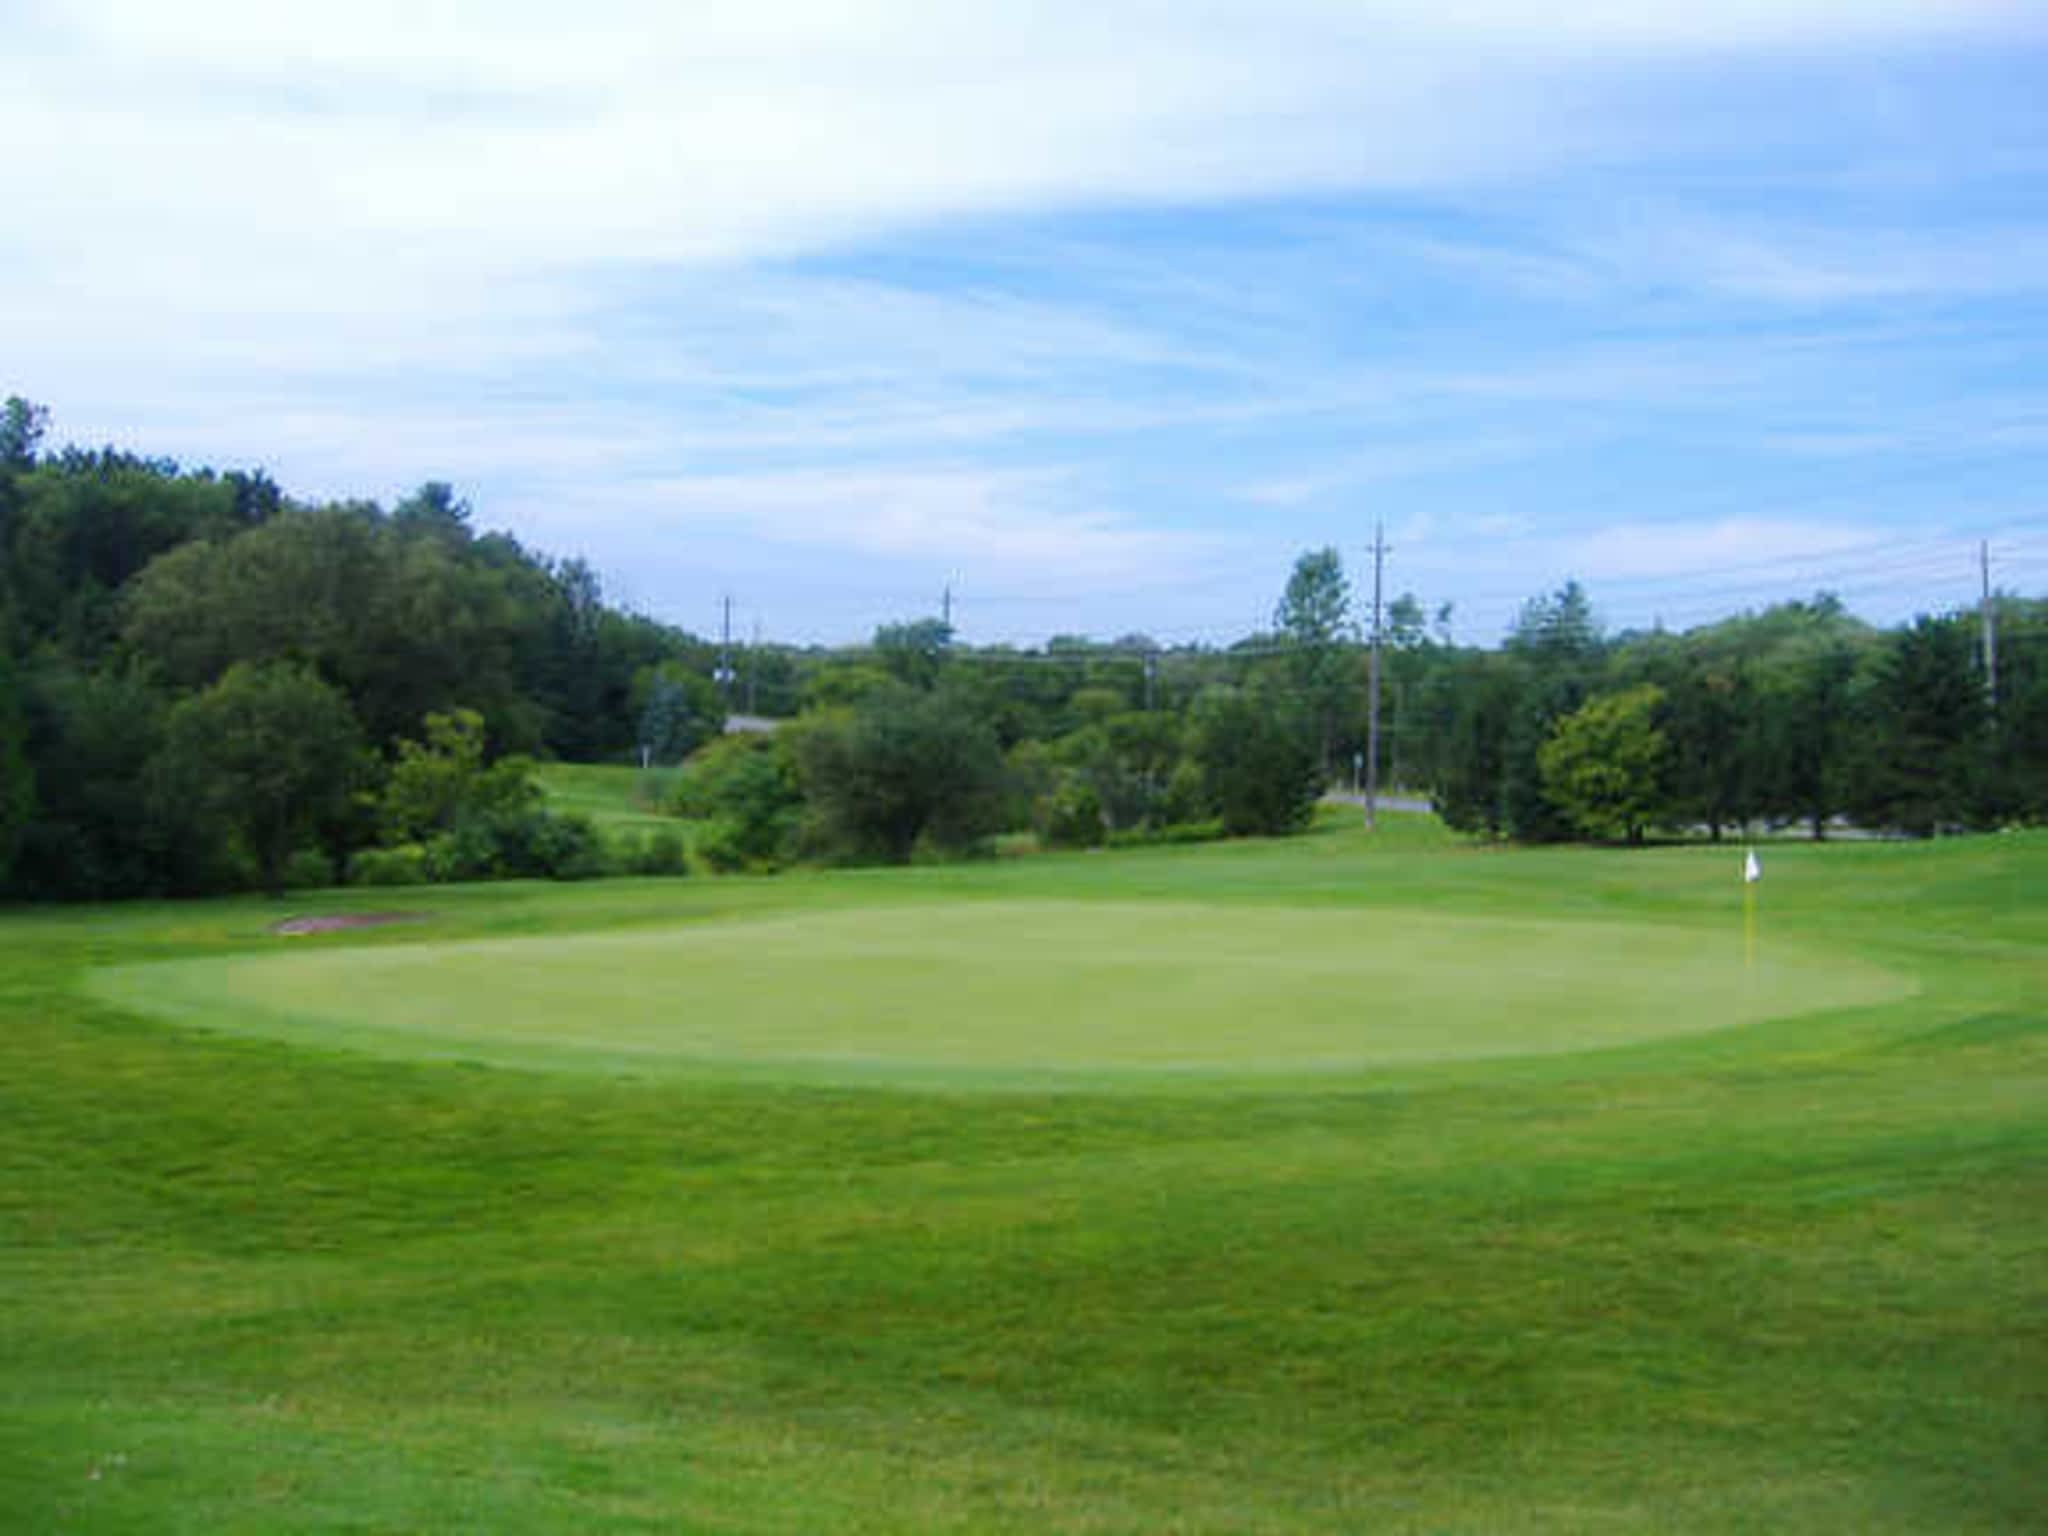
x,y
206,685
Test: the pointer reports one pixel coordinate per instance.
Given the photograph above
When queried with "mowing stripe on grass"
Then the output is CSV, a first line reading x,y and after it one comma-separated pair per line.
x,y
997,989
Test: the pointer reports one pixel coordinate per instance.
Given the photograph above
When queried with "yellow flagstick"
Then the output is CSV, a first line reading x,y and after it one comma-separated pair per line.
x,y
1752,874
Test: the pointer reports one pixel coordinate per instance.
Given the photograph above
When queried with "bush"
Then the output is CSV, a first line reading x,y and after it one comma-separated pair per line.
x,y
517,844
435,786
308,869
567,847
722,845
659,853
1172,833
1071,816
389,866
899,770
1186,800
745,787
1259,767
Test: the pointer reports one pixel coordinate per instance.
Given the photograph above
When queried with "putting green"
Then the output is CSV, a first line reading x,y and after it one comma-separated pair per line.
x,y
1008,988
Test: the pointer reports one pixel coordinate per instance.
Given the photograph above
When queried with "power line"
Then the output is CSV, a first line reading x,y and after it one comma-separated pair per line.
x,y
1888,573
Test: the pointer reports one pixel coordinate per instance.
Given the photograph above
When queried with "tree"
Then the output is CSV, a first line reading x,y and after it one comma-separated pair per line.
x,y
1558,629
1258,764
744,786
1406,628
1480,694
1604,763
405,625
438,783
842,684
96,834
899,767
1556,639
22,425
1801,738
1922,747
434,511
271,751
2019,729
17,785
1314,620
1709,717
680,710
915,652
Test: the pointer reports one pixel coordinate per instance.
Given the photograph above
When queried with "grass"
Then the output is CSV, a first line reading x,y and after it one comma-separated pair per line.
x,y
616,797
1713,1271
1012,991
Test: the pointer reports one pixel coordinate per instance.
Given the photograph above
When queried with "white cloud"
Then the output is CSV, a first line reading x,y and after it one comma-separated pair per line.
x,y
549,247
1627,552
464,139
1014,527
1794,264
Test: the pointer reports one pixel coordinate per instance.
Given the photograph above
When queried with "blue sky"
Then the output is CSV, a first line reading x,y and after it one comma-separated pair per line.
x,y
1099,313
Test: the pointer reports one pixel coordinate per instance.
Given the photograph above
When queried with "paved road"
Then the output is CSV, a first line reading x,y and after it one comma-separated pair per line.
x,y
1411,803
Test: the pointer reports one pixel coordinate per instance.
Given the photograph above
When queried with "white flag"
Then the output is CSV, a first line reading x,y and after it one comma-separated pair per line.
x,y
1751,870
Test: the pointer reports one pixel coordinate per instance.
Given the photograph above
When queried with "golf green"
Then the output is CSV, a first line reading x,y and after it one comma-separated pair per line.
x,y
1002,989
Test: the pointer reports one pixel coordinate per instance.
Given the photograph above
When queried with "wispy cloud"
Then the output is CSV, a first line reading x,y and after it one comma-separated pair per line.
x,y
1093,295
1626,552
1021,527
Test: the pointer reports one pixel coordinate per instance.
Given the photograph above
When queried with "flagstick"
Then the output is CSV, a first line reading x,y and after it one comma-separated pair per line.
x,y
1752,872
1749,925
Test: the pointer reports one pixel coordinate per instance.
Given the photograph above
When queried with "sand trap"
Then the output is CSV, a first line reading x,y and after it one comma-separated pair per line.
x,y
341,922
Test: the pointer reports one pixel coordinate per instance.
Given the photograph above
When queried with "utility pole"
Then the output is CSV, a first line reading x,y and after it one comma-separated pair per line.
x,y
725,655
753,665
1372,687
946,609
1990,628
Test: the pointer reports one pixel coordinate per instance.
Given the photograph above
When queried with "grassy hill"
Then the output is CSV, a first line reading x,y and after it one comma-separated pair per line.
x,y
617,798
1330,1184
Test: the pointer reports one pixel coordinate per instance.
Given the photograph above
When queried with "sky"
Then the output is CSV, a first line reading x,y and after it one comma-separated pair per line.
x,y
1096,312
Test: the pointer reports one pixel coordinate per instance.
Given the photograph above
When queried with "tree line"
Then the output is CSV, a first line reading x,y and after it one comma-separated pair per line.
x,y
207,685
1795,715
203,681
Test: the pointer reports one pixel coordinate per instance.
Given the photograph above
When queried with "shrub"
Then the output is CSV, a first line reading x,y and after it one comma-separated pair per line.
x,y
722,845
1187,796
659,853
389,866
436,785
1259,767
517,844
745,786
1071,816
566,847
308,869
1172,833
900,769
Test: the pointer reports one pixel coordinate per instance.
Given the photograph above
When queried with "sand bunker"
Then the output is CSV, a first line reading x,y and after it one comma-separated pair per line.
x,y
338,922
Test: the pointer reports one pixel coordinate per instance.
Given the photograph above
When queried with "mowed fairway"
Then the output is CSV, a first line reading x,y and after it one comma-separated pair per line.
x,y
1339,1184
1017,989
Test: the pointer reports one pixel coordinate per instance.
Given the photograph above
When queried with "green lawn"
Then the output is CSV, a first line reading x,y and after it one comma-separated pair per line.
x,y
616,797
1332,1185
1015,991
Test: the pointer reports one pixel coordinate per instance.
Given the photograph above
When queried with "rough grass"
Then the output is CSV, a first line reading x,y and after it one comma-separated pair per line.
x,y
617,798
1791,1275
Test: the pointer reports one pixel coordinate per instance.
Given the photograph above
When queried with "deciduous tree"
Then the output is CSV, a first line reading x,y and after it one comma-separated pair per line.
x,y
899,767
271,751
1604,763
